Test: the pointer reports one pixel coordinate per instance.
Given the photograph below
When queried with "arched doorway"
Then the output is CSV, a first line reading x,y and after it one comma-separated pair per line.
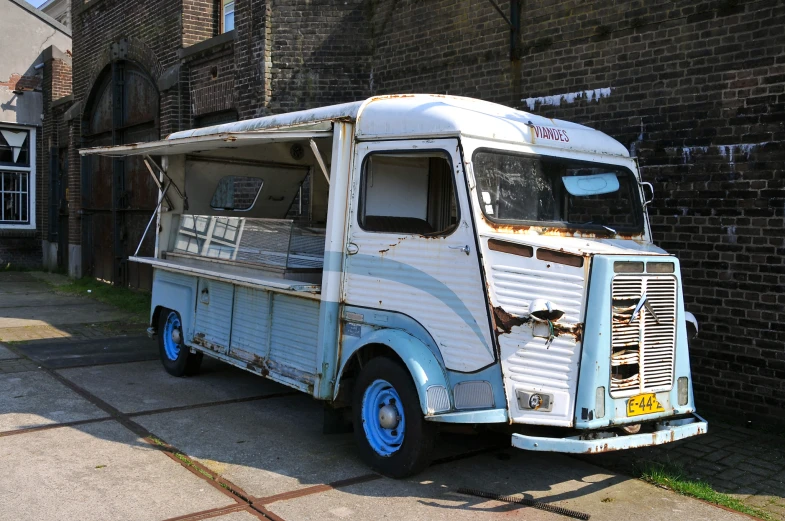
x,y
118,195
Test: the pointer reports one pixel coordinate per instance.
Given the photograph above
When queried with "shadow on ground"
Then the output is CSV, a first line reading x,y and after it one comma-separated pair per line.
x,y
263,438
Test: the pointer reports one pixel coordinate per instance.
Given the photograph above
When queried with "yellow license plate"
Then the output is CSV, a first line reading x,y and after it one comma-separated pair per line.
x,y
643,404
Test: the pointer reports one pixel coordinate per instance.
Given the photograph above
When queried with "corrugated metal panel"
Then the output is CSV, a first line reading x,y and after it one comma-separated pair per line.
x,y
515,287
295,331
527,362
536,366
250,323
214,312
175,278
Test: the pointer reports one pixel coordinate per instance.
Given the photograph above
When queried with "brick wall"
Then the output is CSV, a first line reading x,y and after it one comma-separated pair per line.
x,y
56,86
146,32
441,47
61,79
20,250
697,92
251,22
319,53
200,21
695,89
211,77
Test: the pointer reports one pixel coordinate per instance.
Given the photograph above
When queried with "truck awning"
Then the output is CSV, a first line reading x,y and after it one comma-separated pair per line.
x,y
189,145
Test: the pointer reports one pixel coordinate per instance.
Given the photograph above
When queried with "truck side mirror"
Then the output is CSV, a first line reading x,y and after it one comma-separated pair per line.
x,y
648,201
692,325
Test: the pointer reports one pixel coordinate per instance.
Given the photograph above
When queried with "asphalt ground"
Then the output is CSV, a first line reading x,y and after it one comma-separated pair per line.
x,y
96,429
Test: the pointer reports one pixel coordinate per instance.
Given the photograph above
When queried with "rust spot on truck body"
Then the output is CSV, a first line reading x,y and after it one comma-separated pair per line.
x,y
505,322
553,231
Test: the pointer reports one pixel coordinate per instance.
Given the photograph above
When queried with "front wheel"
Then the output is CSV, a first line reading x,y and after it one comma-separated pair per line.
x,y
392,435
176,358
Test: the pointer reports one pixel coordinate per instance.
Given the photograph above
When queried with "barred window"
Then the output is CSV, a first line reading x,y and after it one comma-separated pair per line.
x,y
15,194
17,170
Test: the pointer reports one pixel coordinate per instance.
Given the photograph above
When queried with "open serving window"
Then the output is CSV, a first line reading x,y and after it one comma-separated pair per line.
x,y
250,205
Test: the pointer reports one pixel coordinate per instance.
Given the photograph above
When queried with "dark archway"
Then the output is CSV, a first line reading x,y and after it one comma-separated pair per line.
x,y
118,195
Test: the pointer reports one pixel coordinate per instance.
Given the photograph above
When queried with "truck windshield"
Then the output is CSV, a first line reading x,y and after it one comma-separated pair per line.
x,y
552,192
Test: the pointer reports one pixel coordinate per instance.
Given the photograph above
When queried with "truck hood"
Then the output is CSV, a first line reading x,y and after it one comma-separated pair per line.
x,y
581,245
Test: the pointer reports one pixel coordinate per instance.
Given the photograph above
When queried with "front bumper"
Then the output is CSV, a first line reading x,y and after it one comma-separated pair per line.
x,y
664,432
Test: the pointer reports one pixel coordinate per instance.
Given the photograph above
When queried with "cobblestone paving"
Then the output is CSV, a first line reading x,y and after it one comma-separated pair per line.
x,y
744,463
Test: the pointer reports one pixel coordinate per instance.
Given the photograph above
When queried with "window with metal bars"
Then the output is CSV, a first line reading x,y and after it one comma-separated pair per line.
x,y
17,168
15,195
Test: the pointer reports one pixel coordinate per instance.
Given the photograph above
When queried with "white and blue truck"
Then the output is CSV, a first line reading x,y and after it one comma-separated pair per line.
x,y
457,261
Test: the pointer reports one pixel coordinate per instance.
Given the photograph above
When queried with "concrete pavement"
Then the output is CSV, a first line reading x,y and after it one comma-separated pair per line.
x,y
94,433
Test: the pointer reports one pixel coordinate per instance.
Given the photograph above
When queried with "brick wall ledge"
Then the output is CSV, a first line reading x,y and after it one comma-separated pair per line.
x,y
214,43
62,101
20,234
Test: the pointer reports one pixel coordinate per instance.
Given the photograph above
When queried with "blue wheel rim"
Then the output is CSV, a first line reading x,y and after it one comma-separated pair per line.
x,y
171,349
384,442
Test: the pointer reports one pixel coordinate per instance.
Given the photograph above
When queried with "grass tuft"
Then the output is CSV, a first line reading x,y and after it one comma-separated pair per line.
x,y
674,477
135,303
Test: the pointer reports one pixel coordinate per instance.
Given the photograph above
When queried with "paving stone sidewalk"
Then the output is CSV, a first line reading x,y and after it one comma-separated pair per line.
x,y
44,315
744,463
71,332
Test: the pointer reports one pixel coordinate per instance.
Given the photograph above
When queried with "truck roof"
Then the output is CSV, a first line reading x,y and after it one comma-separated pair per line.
x,y
430,115
409,116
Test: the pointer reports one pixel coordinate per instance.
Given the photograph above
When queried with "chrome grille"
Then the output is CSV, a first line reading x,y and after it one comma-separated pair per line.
x,y
643,345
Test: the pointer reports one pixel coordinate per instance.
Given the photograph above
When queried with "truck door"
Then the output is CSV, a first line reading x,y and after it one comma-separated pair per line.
x,y
411,245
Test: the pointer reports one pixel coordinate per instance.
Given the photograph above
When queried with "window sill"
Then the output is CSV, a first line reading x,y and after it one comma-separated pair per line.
x,y
24,231
212,44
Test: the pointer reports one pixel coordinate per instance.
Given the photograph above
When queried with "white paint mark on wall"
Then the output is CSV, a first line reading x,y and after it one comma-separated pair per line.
x,y
732,234
569,97
635,144
728,152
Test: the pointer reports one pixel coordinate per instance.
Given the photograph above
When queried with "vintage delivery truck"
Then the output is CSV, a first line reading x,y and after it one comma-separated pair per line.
x,y
456,261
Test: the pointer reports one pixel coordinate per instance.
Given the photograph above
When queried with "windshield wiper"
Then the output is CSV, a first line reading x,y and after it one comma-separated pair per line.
x,y
602,225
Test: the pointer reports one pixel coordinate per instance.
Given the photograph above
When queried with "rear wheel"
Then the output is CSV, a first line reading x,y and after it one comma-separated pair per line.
x,y
176,357
391,433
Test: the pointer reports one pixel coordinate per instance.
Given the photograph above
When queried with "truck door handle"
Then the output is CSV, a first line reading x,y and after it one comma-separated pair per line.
x,y
465,249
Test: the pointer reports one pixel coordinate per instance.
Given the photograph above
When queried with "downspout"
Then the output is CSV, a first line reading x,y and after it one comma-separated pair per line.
x,y
515,51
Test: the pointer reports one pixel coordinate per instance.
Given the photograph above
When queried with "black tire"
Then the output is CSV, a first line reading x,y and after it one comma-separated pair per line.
x,y
414,452
186,363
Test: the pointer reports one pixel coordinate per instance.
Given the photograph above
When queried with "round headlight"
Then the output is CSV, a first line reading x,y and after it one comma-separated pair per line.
x,y
535,401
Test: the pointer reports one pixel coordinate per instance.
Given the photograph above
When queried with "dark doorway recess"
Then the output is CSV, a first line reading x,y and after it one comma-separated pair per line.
x,y
118,195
